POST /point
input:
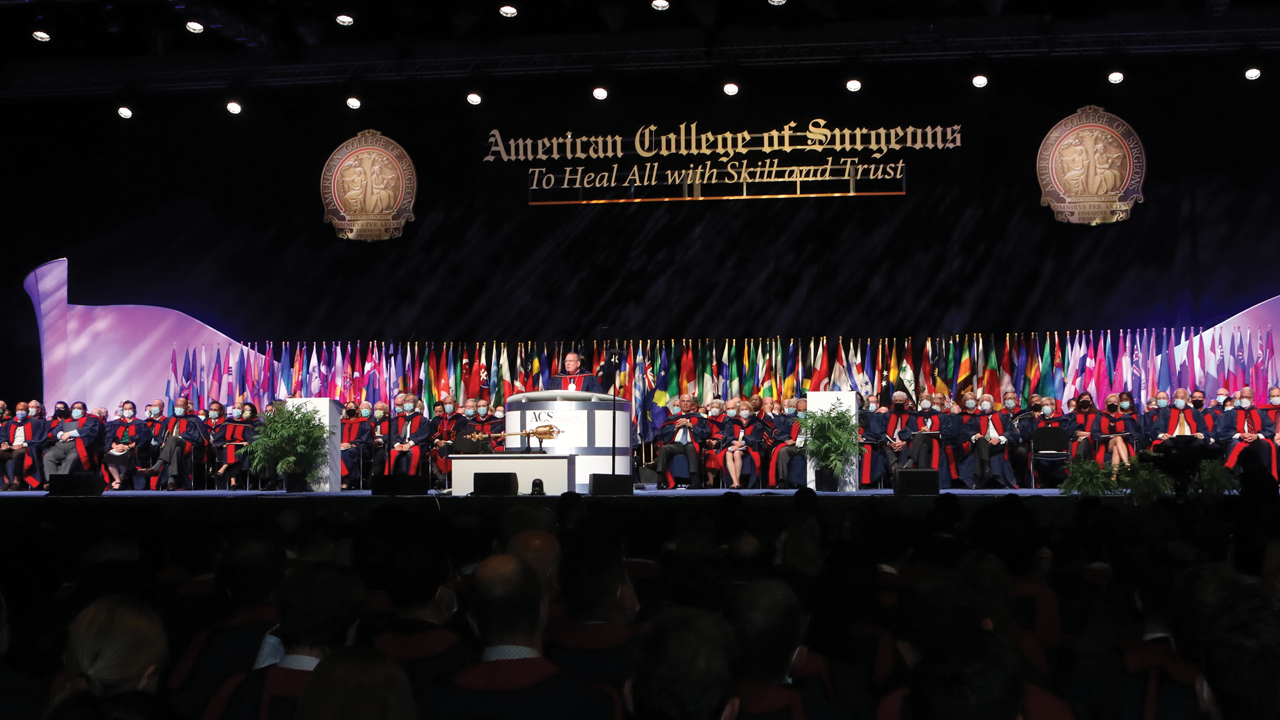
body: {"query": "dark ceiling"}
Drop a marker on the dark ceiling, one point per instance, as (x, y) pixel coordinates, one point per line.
(101, 47)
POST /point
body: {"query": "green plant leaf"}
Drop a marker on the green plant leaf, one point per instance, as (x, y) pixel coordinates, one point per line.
(831, 437)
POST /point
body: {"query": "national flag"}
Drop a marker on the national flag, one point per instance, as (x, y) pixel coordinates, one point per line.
(802, 370)
(991, 377)
(789, 379)
(688, 372)
(1006, 369)
(1032, 385)
(820, 381)
(708, 364)
(1138, 369)
(1124, 363)
(733, 381)
(1166, 363)
(544, 371)
(1020, 368)
(964, 370)
(905, 372)
(768, 383)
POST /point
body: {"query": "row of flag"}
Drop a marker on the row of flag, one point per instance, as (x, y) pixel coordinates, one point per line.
(653, 373)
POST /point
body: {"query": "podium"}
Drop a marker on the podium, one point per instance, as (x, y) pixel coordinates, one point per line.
(329, 476)
(595, 431)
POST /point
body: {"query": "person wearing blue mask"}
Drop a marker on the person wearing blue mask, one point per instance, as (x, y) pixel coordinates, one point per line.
(1176, 420)
(1050, 472)
(183, 434)
(485, 423)
(74, 440)
(410, 431)
(1155, 405)
(1245, 428)
(21, 440)
(788, 437)
(356, 444)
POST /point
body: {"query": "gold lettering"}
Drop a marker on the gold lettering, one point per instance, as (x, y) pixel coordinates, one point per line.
(495, 145)
(817, 135)
(644, 148)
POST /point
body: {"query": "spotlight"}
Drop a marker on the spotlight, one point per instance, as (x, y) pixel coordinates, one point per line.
(41, 35)
(1252, 74)
(234, 108)
(353, 103)
(777, 2)
(124, 112)
(508, 11)
(473, 98)
(345, 20)
(599, 93)
(730, 89)
(1116, 78)
(979, 81)
(194, 27)
(853, 85)
(660, 4)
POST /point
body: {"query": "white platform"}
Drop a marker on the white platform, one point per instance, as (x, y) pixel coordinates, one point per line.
(329, 477)
(554, 470)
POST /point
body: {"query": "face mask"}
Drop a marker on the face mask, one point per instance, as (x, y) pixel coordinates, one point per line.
(716, 411)
(1197, 403)
(1125, 404)
(378, 414)
(1011, 404)
(499, 414)
(925, 404)
(1112, 407)
(469, 412)
(1244, 403)
(1046, 410)
(179, 411)
(448, 409)
(237, 413)
(1275, 399)
(62, 412)
(364, 412)
(213, 414)
(77, 414)
(1162, 403)
(731, 413)
(986, 406)
(126, 413)
(1084, 405)
(151, 412)
(872, 407)
(970, 404)
(483, 410)
(408, 407)
(791, 411)
(21, 415)
(1222, 399)
(203, 418)
(802, 413)
(1179, 403)
(899, 407)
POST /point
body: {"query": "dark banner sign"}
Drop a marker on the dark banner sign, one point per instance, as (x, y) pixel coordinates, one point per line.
(685, 162)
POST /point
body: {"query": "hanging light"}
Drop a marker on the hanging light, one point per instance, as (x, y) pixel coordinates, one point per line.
(473, 98)
(41, 35)
(124, 112)
(730, 89)
(853, 85)
(194, 27)
(979, 81)
(1115, 78)
(508, 11)
(600, 93)
(1252, 74)
(345, 20)
(353, 103)
(660, 4)
(234, 108)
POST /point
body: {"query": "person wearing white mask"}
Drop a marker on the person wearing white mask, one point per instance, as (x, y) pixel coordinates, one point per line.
(718, 412)
(122, 439)
(75, 438)
(986, 436)
(1245, 428)
(409, 432)
(931, 433)
(356, 444)
(740, 450)
(444, 431)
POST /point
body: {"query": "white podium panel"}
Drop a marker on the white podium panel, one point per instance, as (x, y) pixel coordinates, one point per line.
(594, 428)
(826, 401)
(329, 477)
(555, 471)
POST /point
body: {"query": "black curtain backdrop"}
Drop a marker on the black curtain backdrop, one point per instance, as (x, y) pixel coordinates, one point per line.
(219, 216)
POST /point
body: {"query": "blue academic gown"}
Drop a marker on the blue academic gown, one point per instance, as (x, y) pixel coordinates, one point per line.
(583, 382)
(871, 469)
(978, 423)
(419, 432)
(1106, 424)
(1159, 424)
(752, 434)
(1230, 425)
(942, 454)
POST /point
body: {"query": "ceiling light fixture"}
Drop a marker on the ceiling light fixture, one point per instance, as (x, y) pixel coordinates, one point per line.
(1116, 78)
(853, 85)
(41, 35)
(777, 2)
(473, 98)
(124, 112)
(345, 20)
(730, 89)
(660, 4)
(194, 27)
(600, 93)
(979, 81)
(508, 11)
(353, 103)
(1252, 74)
(234, 108)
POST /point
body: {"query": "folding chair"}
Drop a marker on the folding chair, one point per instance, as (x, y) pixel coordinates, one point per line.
(1048, 444)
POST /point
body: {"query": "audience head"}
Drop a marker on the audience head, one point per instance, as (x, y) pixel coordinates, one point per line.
(319, 605)
(356, 683)
(769, 625)
(248, 411)
(508, 607)
(899, 401)
(541, 551)
(438, 409)
(482, 408)
(1113, 403)
(684, 669)
(1222, 396)
(1245, 399)
(250, 570)
(974, 676)
(21, 411)
(366, 409)
(595, 583)
(1241, 660)
(115, 645)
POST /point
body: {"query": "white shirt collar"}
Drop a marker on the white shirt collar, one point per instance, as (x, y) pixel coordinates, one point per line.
(298, 662)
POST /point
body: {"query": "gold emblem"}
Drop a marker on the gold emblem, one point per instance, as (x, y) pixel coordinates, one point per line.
(368, 187)
(1091, 167)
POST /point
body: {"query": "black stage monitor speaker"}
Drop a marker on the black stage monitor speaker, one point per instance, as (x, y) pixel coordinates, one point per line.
(649, 476)
(496, 484)
(602, 484)
(917, 482)
(76, 484)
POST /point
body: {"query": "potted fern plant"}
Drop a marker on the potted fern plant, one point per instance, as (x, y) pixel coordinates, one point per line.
(831, 442)
(292, 442)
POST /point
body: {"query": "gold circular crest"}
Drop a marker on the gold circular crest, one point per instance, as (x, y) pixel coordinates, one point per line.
(1091, 166)
(368, 187)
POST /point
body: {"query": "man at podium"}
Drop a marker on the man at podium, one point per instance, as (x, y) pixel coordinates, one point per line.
(574, 378)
